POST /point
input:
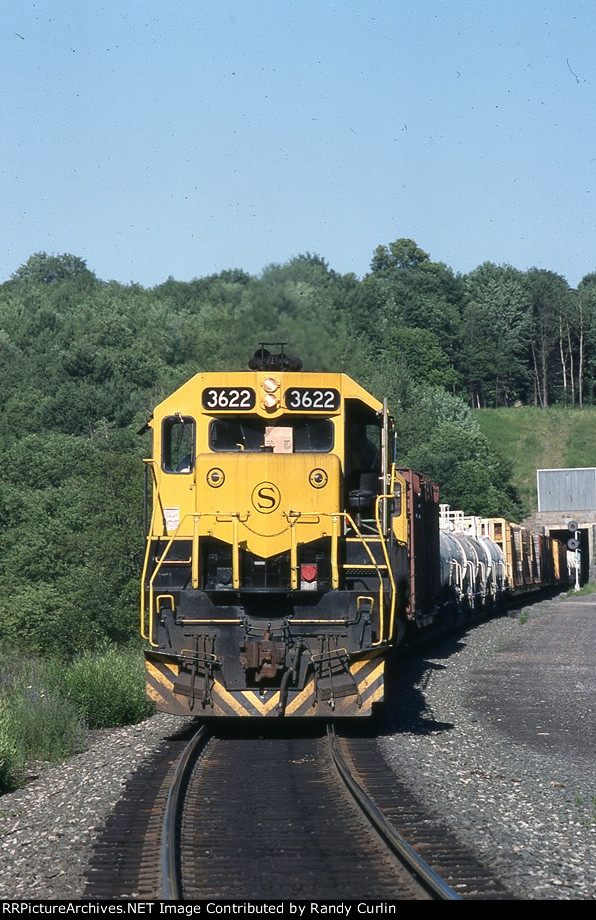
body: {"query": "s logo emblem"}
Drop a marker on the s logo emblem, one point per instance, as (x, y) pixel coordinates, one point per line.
(265, 497)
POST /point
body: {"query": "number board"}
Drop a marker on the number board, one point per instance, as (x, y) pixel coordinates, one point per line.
(231, 398)
(312, 399)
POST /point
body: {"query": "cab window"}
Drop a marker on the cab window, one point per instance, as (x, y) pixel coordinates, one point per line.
(362, 448)
(296, 435)
(178, 444)
(226, 434)
(313, 435)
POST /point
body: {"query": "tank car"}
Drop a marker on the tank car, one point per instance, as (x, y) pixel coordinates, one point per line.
(287, 554)
(488, 561)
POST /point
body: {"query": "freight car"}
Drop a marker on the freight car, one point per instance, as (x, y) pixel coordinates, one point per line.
(287, 554)
(485, 562)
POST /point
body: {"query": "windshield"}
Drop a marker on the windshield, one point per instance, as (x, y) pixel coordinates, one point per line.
(288, 435)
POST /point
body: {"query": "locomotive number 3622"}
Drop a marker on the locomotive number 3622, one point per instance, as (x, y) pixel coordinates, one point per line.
(229, 398)
(302, 398)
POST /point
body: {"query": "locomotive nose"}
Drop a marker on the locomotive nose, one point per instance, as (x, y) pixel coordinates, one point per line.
(267, 502)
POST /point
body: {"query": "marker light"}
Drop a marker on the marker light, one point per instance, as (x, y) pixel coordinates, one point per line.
(308, 577)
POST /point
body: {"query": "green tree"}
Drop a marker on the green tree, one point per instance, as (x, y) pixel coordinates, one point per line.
(70, 543)
(46, 269)
(496, 325)
(406, 289)
(470, 476)
(438, 435)
(400, 255)
(586, 333)
(549, 298)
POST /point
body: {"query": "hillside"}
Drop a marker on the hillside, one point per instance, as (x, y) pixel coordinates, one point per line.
(534, 439)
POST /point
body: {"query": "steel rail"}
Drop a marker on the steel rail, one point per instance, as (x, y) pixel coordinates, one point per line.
(170, 869)
(400, 847)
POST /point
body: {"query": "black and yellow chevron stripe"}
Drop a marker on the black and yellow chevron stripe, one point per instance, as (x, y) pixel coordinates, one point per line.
(161, 674)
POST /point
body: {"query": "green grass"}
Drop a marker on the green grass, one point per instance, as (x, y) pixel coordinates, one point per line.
(36, 721)
(107, 688)
(589, 588)
(534, 439)
(48, 705)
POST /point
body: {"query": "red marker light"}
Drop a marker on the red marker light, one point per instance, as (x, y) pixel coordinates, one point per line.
(308, 573)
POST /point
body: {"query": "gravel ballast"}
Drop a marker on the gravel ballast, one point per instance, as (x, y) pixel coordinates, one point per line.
(496, 731)
(48, 828)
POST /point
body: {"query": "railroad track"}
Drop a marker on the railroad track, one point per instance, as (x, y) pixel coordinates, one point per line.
(454, 865)
(249, 816)
(431, 882)
(267, 818)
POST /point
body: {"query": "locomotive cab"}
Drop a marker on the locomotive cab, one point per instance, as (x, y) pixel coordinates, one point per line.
(362, 459)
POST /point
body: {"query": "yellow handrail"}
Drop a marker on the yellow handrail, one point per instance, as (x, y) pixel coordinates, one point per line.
(195, 552)
(386, 623)
(146, 634)
(382, 498)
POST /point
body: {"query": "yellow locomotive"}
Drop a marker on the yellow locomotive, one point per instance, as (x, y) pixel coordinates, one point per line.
(287, 555)
(276, 570)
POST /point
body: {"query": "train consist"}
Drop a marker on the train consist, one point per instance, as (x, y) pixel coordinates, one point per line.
(288, 555)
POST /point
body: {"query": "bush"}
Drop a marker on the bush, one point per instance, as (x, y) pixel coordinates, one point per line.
(43, 724)
(11, 764)
(107, 688)
(36, 721)
(46, 706)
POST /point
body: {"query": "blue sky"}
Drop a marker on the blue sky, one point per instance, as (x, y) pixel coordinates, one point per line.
(158, 138)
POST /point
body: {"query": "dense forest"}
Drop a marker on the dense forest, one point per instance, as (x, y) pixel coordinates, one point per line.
(83, 361)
